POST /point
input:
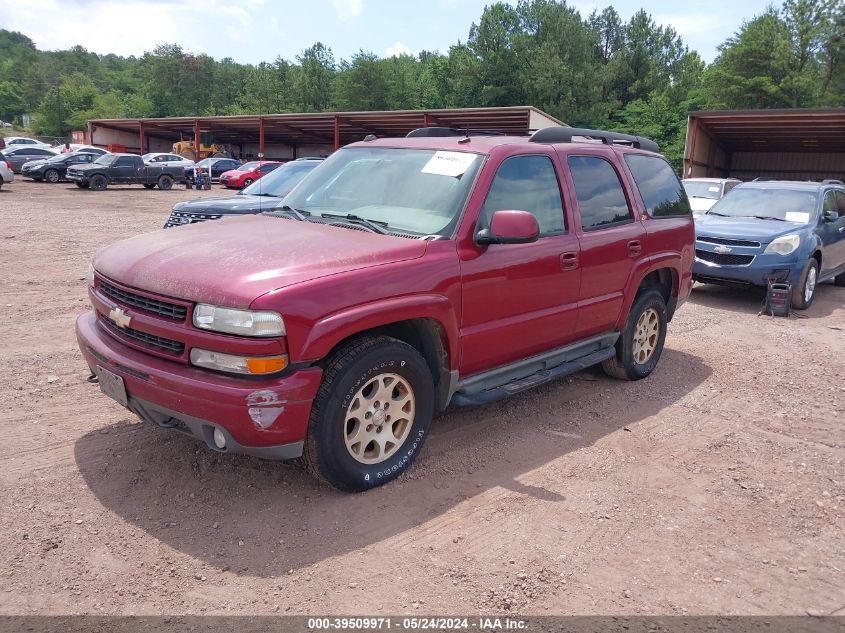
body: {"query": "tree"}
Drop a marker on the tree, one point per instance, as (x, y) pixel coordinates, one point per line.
(314, 85)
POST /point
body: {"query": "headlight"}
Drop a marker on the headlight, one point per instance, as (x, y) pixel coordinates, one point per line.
(243, 322)
(90, 275)
(784, 245)
(247, 365)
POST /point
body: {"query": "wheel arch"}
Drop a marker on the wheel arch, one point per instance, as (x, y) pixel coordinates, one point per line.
(662, 272)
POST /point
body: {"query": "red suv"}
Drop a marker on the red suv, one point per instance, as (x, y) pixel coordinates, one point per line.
(400, 276)
(247, 173)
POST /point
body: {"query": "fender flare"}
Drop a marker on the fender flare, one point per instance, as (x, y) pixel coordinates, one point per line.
(667, 259)
(330, 330)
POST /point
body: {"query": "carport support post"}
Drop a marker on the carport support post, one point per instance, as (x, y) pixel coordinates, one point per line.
(261, 138)
(141, 133)
(336, 132)
(197, 141)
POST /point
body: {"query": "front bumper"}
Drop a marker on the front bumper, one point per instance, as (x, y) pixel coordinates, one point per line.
(758, 272)
(75, 177)
(197, 401)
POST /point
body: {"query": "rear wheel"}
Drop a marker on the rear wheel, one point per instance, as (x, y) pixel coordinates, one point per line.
(641, 343)
(51, 175)
(98, 183)
(805, 290)
(371, 415)
(165, 182)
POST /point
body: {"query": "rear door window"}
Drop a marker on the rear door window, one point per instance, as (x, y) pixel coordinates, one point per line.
(601, 197)
(659, 187)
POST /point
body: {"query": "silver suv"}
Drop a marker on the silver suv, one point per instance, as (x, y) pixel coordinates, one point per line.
(6, 173)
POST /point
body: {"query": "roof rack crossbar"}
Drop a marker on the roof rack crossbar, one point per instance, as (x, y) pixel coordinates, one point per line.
(429, 132)
(832, 181)
(559, 134)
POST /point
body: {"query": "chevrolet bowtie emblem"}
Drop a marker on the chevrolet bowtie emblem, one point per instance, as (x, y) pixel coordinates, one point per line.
(722, 249)
(120, 318)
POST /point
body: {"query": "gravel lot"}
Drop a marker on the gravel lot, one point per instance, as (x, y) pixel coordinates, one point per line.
(715, 486)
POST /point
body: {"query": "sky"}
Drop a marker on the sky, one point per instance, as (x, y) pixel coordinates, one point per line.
(252, 31)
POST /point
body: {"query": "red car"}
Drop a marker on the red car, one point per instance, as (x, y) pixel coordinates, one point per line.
(247, 173)
(399, 277)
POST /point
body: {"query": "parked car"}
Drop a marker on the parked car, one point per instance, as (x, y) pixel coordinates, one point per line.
(162, 159)
(401, 276)
(123, 169)
(703, 193)
(7, 175)
(218, 166)
(262, 195)
(55, 168)
(781, 231)
(24, 141)
(247, 174)
(18, 155)
(88, 149)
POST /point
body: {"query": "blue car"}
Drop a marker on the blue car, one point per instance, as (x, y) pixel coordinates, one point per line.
(774, 231)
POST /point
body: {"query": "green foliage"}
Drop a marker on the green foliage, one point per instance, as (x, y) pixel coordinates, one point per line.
(595, 71)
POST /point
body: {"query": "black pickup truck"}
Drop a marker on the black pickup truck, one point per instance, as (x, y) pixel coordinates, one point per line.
(123, 169)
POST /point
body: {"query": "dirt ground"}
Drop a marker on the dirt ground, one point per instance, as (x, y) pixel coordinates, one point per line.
(713, 487)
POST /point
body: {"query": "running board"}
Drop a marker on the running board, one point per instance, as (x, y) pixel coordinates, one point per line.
(465, 396)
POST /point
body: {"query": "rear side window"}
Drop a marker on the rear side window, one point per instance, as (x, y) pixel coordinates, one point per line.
(601, 197)
(527, 183)
(660, 188)
(124, 161)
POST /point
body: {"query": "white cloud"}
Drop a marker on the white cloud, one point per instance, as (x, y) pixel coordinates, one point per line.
(397, 49)
(348, 9)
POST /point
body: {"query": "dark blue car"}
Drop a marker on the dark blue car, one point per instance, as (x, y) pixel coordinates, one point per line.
(780, 231)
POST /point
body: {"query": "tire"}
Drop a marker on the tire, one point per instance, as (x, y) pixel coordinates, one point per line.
(1, 182)
(641, 343)
(81, 185)
(351, 383)
(148, 186)
(839, 280)
(805, 290)
(51, 176)
(247, 182)
(165, 182)
(98, 182)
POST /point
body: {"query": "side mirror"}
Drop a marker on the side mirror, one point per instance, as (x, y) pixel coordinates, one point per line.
(510, 227)
(831, 216)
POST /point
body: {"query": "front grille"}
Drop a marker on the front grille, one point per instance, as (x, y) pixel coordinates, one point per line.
(724, 259)
(146, 339)
(728, 242)
(179, 218)
(145, 304)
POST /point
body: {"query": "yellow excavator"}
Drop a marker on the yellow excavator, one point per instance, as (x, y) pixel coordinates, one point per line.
(186, 149)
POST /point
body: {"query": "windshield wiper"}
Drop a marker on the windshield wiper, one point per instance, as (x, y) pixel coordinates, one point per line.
(289, 211)
(766, 217)
(270, 195)
(374, 225)
(721, 215)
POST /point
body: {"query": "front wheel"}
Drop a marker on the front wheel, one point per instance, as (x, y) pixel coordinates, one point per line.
(641, 343)
(371, 415)
(248, 182)
(805, 290)
(51, 176)
(165, 182)
(98, 183)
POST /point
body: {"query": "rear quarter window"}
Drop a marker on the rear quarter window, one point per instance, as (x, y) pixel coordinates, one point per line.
(658, 185)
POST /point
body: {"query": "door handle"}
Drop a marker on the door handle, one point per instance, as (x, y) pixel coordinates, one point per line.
(634, 248)
(569, 261)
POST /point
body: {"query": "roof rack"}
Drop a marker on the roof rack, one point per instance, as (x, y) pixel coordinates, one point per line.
(832, 181)
(422, 132)
(559, 134)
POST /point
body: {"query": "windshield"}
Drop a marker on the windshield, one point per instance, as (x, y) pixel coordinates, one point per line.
(280, 181)
(147, 157)
(792, 205)
(59, 158)
(416, 190)
(248, 166)
(205, 162)
(709, 190)
(106, 159)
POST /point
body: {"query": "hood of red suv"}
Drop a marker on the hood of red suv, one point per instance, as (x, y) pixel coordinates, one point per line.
(234, 261)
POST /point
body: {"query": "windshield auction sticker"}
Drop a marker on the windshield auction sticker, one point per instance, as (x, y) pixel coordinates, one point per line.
(797, 216)
(448, 164)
